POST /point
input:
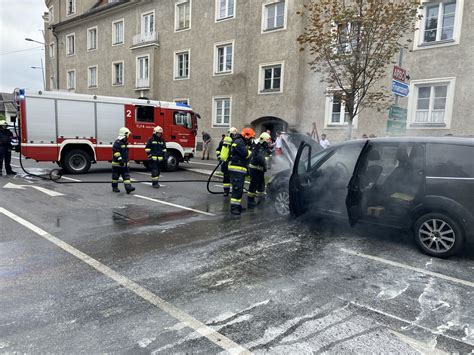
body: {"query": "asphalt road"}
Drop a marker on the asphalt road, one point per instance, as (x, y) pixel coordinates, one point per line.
(170, 271)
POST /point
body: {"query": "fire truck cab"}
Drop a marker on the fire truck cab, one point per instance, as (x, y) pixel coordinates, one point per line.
(77, 130)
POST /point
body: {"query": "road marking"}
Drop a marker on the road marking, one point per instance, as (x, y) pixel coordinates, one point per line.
(406, 321)
(143, 183)
(16, 166)
(199, 327)
(15, 158)
(173, 205)
(412, 268)
(70, 179)
(42, 189)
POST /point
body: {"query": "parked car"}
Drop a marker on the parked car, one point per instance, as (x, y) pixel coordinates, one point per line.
(277, 187)
(425, 184)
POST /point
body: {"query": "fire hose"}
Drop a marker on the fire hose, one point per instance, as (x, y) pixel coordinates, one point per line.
(55, 175)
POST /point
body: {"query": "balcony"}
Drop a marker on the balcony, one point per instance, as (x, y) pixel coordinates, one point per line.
(142, 83)
(145, 39)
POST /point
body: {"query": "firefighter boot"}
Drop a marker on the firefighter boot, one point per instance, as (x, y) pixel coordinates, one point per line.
(115, 189)
(129, 189)
(251, 203)
(156, 184)
(236, 210)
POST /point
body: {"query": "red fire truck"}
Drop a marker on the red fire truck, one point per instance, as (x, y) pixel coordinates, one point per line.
(77, 130)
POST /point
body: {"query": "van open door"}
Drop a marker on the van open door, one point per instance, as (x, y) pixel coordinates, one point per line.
(354, 193)
(300, 179)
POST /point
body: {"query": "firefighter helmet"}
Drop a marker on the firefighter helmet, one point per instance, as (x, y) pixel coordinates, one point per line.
(124, 132)
(248, 133)
(232, 130)
(157, 129)
(265, 137)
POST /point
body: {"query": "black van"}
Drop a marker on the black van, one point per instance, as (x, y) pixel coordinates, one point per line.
(426, 184)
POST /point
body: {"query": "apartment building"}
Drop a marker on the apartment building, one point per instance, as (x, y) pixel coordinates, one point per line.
(237, 63)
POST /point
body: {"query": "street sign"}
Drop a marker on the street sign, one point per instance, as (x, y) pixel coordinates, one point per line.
(397, 120)
(399, 74)
(400, 89)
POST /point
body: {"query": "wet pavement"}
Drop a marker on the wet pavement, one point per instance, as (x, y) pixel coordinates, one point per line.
(131, 274)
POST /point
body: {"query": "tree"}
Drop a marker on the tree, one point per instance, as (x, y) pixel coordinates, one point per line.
(352, 42)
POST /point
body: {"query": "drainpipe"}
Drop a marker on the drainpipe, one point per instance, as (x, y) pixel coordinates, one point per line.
(57, 56)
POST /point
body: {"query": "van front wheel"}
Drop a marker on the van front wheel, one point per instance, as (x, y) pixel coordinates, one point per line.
(438, 235)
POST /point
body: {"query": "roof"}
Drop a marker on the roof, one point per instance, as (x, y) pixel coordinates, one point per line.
(444, 140)
(105, 99)
(7, 102)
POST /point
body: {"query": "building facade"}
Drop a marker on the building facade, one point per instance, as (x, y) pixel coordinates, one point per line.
(238, 63)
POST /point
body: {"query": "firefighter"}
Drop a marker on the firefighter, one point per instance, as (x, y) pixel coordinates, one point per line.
(239, 160)
(120, 162)
(257, 169)
(156, 150)
(223, 155)
(6, 137)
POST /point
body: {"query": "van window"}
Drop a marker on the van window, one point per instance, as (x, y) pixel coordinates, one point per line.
(183, 119)
(145, 114)
(449, 160)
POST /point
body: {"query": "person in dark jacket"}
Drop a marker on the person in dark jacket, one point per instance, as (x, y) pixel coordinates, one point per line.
(6, 137)
(257, 169)
(120, 162)
(223, 155)
(156, 150)
(238, 164)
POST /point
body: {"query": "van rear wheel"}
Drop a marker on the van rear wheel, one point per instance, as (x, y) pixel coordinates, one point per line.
(76, 162)
(438, 235)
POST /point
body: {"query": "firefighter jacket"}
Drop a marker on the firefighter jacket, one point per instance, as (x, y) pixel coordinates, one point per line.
(223, 150)
(155, 148)
(240, 155)
(6, 137)
(120, 153)
(259, 157)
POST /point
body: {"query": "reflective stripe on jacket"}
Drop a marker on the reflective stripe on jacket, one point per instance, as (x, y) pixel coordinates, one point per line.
(155, 148)
(120, 152)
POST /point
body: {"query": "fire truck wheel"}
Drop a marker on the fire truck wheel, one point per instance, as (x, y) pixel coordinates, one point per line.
(172, 162)
(76, 162)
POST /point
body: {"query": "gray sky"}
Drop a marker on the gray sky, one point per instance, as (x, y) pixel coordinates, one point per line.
(20, 19)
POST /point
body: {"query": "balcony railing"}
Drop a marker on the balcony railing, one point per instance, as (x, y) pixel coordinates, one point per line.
(143, 38)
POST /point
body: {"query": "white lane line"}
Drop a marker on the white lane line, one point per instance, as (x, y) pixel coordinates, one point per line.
(15, 158)
(70, 179)
(199, 327)
(16, 166)
(144, 183)
(173, 205)
(413, 324)
(408, 267)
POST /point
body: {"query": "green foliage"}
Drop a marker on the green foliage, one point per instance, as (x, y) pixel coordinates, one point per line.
(351, 43)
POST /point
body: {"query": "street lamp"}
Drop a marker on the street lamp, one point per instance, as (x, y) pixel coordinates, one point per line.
(42, 67)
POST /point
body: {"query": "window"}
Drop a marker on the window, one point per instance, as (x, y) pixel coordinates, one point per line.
(71, 44)
(274, 16)
(431, 103)
(148, 24)
(336, 110)
(271, 78)
(182, 65)
(440, 23)
(71, 79)
(117, 32)
(117, 73)
(71, 7)
(143, 71)
(225, 9)
(145, 114)
(449, 160)
(51, 14)
(92, 39)
(224, 57)
(221, 112)
(92, 77)
(182, 118)
(183, 15)
(51, 50)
